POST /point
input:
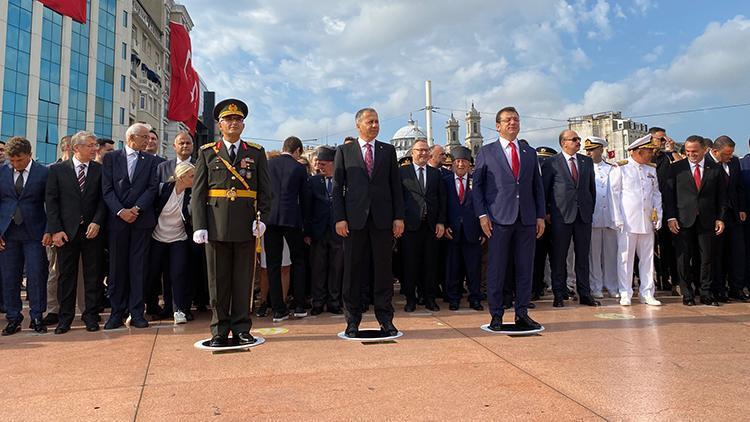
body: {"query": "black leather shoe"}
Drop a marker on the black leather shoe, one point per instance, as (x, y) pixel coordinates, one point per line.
(218, 341)
(558, 302)
(113, 322)
(531, 305)
(352, 329)
(526, 323)
(262, 310)
(708, 301)
(535, 296)
(51, 319)
(410, 306)
(189, 316)
(62, 329)
(453, 306)
(139, 323)
(336, 310)
(497, 323)
(741, 297)
(316, 310)
(280, 316)
(37, 325)
(688, 301)
(589, 301)
(12, 327)
(477, 306)
(722, 297)
(432, 305)
(92, 326)
(388, 329)
(244, 338)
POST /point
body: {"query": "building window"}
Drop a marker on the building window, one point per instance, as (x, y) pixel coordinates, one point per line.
(124, 51)
(16, 79)
(122, 83)
(49, 88)
(125, 18)
(143, 101)
(105, 69)
(122, 116)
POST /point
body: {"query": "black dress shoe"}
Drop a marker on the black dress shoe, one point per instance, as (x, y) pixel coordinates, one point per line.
(453, 306)
(497, 323)
(336, 310)
(688, 301)
(218, 341)
(432, 305)
(51, 319)
(92, 326)
(37, 324)
(201, 308)
(316, 310)
(477, 306)
(62, 329)
(410, 306)
(722, 297)
(262, 310)
(558, 302)
(742, 297)
(12, 327)
(709, 300)
(388, 329)
(352, 329)
(113, 323)
(589, 301)
(154, 310)
(139, 323)
(531, 305)
(244, 338)
(189, 316)
(535, 296)
(526, 323)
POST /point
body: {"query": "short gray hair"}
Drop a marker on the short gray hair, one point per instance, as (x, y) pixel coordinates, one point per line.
(135, 127)
(80, 138)
(183, 133)
(360, 113)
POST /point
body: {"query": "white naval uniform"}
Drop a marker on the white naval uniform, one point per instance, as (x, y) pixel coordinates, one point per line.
(634, 195)
(603, 258)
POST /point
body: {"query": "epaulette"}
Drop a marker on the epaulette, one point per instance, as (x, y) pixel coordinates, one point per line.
(254, 145)
(622, 162)
(209, 145)
(651, 165)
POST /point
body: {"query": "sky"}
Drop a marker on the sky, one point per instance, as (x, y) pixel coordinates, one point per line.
(305, 67)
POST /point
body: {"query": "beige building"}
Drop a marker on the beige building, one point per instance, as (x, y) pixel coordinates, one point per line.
(619, 132)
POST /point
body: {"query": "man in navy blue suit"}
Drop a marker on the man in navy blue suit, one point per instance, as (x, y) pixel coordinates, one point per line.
(129, 187)
(509, 200)
(463, 233)
(23, 235)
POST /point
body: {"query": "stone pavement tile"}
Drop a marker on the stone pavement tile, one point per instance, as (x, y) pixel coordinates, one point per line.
(489, 391)
(49, 404)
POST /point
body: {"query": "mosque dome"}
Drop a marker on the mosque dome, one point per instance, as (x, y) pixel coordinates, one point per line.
(404, 137)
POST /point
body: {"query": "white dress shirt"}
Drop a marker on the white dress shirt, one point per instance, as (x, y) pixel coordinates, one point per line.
(228, 144)
(505, 144)
(416, 171)
(170, 227)
(460, 180)
(567, 162)
(701, 165)
(25, 172)
(363, 149)
(77, 167)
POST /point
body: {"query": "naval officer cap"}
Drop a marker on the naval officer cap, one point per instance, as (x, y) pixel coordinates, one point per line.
(230, 107)
(594, 142)
(462, 153)
(326, 153)
(545, 151)
(644, 142)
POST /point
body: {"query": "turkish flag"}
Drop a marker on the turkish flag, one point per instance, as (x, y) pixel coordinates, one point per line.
(184, 90)
(76, 9)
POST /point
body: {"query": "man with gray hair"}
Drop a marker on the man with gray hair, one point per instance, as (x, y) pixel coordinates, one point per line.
(129, 186)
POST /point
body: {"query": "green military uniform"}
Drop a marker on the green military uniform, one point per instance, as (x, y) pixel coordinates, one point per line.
(226, 195)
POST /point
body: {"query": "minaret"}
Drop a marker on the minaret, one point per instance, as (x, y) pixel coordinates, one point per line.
(451, 135)
(474, 138)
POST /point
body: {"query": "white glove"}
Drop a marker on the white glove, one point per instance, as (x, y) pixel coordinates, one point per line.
(657, 225)
(258, 230)
(200, 236)
(618, 227)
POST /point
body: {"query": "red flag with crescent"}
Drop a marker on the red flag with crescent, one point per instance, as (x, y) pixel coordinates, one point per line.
(184, 88)
(76, 9)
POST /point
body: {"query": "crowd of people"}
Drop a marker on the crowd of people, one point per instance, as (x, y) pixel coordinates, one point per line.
(151, 238)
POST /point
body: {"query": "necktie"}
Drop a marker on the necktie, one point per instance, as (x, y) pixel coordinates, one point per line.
(232, 153)
(329, 185)
(697, 176)
(82, 176)
(573, 170)
(17, 216)
(421, 178)
(132, 159)
(461, 190)
(368, 159)
(514, 163)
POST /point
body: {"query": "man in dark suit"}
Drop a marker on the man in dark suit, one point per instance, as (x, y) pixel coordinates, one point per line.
(570, 190)
(695, 206)
(326, 247)
(129, 187)
(424, 212)
(729, 247)
(285, 222)
(509, 200)
(541, 252)
(75, 214)
(23, 235)
(462, 234)
(369, 213)
(231, 183)
(666, 263)
(152, 147)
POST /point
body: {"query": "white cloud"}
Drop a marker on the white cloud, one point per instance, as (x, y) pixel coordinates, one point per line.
(654, 54)
(333, 25)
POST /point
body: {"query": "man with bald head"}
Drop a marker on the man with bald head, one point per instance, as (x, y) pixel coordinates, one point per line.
(570, 192)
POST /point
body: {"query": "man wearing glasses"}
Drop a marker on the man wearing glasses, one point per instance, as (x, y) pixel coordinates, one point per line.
(570, 191)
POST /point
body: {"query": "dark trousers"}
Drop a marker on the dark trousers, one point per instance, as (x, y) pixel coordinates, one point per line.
(540, 260)
(157, 282)
(694, 258)
(229, 267)
(128, 269)
(327, 264)
(468, 256)
(274, 242)
(516, 237)
(561, 234)
(667, 263)
(419, 249)
(728, 256)
(170, 262)
(91, 253)
(23, 253)
(198, 286)
(360, 246)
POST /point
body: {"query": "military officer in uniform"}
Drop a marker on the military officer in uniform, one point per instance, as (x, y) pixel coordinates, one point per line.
(231, 184)
(603, 258)
(636, 202)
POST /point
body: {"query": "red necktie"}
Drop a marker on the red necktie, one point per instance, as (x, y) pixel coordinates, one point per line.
(368, 158)
(697, 176)
(514, 164)
(461, 191)
(573, 170)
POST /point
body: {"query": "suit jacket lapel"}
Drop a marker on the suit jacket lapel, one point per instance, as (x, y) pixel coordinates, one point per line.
(499, 155)
(378, 150)
(139, 163)
(74, 172)
(122, 161)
